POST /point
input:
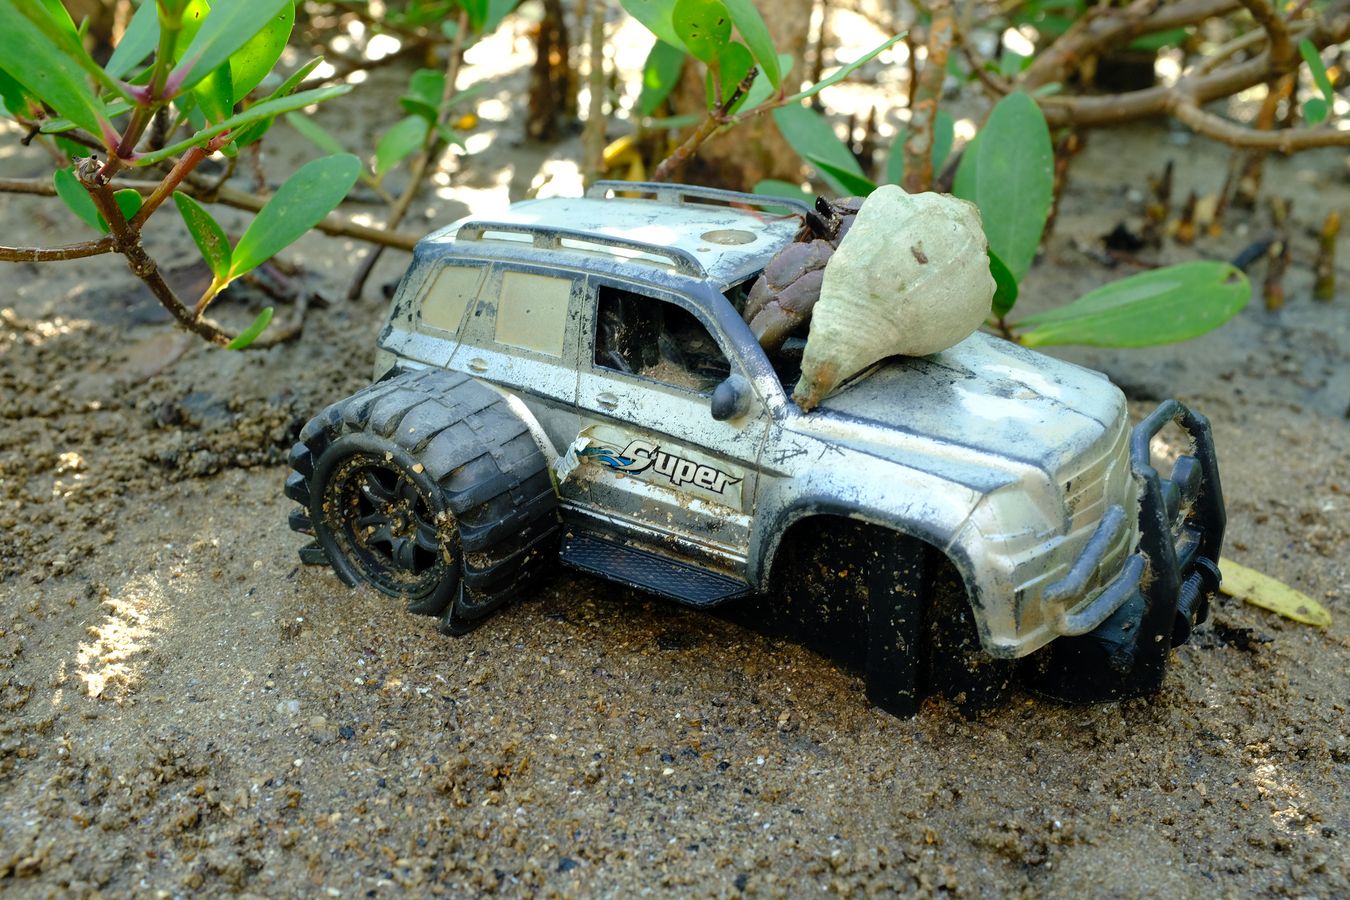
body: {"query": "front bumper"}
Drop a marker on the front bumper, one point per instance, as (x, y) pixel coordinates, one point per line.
(1164, 587)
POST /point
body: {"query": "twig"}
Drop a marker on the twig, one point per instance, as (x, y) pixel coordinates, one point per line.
(716, 119)
(923, 113)
(593, 136)
(432, 148)
(332, 224)
(1092, 34)
(1285, 140)
(56, 254)
(1281, 48)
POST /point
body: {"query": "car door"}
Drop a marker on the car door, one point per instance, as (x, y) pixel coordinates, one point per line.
(521, 336)
(657, 467)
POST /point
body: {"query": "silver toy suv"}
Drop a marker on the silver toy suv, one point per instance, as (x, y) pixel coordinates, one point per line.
(575, 381)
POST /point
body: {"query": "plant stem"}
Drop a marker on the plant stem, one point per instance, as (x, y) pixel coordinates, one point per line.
(716, 119)
(55, 254)
(923, 112)
(432, 148)
(593, 137)
(331, 225)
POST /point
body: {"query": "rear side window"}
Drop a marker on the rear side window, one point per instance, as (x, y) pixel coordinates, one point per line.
(449, 295)
(532, 312)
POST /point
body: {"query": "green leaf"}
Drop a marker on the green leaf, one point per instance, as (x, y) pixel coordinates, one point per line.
(1014, 180)
(772, 187)
(1005, 286)
(813, 137)
(206, 233)
(423, 97)
(399, 141)
(315, 133)
(944, 134)
(229, 26)
(129, 201)
(755, 33)
(77, 199)
(477, 11)
(735, 63)
(1151, 43)
(254, 131)
(52, 21)
(251, 333)
(1011, 64)
(47, 72)
(1175, 303)
(498, 10)
(137, 43)
(257, 112)
(840, 74)
(215, 94)
(1316, 109)
(704, 26)
(306, 197)
(963, 185)
(657, 16)
(14, 97)
(854, 185)
(660, 74)
(250, 64)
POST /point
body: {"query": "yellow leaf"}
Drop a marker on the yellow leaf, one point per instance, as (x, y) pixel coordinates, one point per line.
(1267, 593)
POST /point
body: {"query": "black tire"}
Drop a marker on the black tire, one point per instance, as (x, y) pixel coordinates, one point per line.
(883, 604)
(427, 487)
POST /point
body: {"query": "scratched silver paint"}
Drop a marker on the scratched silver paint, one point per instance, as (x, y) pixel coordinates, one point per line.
(1003, 458)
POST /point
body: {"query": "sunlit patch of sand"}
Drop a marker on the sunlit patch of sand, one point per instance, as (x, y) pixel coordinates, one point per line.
(109, 664)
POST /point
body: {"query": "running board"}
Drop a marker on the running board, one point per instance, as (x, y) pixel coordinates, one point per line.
(649, 571)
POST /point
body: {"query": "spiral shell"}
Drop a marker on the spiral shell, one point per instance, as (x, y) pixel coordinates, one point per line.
(910, 278)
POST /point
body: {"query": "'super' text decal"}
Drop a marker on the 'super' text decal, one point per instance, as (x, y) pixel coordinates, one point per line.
(641, 456)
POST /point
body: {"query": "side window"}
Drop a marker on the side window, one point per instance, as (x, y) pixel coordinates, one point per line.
(444, 303)
(655, 339)
(532, 312)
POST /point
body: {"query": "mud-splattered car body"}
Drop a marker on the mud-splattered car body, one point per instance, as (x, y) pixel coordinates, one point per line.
(609, 327)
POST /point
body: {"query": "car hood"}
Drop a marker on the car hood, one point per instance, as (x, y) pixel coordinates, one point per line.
(983, 401)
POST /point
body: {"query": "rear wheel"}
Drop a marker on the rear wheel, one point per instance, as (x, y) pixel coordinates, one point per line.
(429, 488)
(381, 520)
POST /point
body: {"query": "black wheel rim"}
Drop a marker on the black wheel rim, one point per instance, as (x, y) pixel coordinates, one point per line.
(387, 527)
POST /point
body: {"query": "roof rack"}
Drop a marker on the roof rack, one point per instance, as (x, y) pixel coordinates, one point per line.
(685, 193)
(549, 238)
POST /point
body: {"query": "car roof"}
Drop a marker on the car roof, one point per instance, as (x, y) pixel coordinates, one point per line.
(692, 230)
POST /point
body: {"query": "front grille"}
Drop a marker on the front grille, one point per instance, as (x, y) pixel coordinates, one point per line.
(1096, 480)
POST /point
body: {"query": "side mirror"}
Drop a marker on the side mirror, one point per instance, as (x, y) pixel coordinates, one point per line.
(731, 399)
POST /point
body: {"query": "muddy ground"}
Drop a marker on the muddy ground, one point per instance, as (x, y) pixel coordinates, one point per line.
(186, 707)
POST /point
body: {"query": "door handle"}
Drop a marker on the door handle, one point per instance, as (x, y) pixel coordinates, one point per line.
(478, 364)
(607, 401)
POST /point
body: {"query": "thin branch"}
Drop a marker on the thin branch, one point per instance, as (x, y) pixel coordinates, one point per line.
(433, 147)
(127, 241)
(56, 254)
(1093, 33)
(923, 111)
(715, 120)
(332, 224)
(1281, 48)
(1284, 140)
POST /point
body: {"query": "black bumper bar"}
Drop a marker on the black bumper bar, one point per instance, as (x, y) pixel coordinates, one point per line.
(1168, 581)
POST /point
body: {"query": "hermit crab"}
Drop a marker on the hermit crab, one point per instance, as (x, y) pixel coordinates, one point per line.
(895, 275)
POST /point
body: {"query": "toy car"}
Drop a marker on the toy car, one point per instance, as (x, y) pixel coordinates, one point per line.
(575, 381)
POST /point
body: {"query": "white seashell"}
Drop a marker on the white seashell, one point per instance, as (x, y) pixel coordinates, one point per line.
(909, 279)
